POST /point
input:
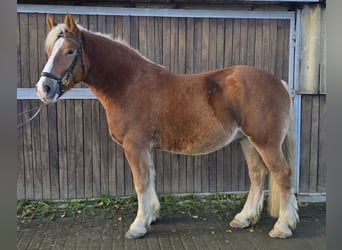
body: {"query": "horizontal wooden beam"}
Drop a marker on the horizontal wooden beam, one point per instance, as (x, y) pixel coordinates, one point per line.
(73, 94)
(153, 12)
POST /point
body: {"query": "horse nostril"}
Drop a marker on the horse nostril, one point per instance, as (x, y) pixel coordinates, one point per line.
(47, 89)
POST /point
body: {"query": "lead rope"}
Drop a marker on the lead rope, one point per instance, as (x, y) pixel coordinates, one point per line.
(32, 117)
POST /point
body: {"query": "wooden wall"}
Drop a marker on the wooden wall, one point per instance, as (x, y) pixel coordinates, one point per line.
(67, 153)
(313, 157)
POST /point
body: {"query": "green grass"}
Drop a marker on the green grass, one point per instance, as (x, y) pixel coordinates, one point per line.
(222, 205)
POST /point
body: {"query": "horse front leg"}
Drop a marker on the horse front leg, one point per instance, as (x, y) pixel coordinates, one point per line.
(142, 167)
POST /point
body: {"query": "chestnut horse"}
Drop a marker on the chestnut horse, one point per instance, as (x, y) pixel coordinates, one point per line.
(148, 107)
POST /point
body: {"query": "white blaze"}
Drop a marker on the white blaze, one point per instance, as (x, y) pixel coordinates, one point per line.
(48, 67)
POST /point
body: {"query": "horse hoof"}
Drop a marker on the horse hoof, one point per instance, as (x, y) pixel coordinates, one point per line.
(276, 233)
(238, 224)
(131, 234)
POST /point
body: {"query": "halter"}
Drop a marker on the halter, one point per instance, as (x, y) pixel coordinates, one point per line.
(71, 68)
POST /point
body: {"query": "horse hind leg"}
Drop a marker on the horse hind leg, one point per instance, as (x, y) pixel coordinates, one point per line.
(257, 171)
(282, 187)
(148, 204)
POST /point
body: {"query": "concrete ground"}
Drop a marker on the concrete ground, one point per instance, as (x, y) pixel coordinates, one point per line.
(172, 231)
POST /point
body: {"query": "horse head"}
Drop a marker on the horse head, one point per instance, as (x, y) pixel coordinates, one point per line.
(65, 65)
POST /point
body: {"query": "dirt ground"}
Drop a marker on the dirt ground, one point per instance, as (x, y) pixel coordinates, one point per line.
(209, 230)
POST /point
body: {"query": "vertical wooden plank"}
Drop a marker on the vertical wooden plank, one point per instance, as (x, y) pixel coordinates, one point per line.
(205, 177)
(150, 39)
(250, 42)
(101, 24)
(280, 49)
(104, 166)
(167, 42)
(174, 47)
(20, 160)
(189, 58)
(213, 172)
(273, 45)
(54, 152)
(322, 145)
(167, 178)
(35, 130)
(92, 23)
(43, 116)
(174, 174)
(236, 41)
(305, 142)
(205, 45)
(286, 51)
(228, 43)
(159, 165)
(134, 42)
(258, 44)
(190, 176)
(26, 133)
(120, 171)
(112, 167)
(181, 46)
(266, 44)
(158, 40)
(19, 41)
(142, 36)
(314, 144)
(219, 171)
(126, 29)
(182, 174)
(88, 152)
(220, 43)
(129, 184)
(197, 174)
(235, 166)
(118, 23)
(227, 168)
(79, 150)
(62, 149)
(70, 149)
(212, 44)
(96, 148)
(20, 149)
(243, 41)
(197, 45)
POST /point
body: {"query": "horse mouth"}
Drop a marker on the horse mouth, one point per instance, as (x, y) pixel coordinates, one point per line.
(48, 91)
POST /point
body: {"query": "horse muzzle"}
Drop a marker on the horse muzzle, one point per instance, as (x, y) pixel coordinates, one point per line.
(48, 90)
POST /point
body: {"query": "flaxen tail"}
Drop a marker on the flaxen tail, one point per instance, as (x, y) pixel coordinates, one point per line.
(289, 149)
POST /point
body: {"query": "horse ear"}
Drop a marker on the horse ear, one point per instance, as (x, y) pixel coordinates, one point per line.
(50, 22)
(70, 25)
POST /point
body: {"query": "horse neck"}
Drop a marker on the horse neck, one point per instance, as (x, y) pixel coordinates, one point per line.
(111, 68)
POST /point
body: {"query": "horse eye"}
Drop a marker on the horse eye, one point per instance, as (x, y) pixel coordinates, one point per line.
(70, 52)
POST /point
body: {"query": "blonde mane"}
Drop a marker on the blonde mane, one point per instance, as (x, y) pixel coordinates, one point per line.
(60, 28)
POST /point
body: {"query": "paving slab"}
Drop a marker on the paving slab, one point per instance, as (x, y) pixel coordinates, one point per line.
(172, 231)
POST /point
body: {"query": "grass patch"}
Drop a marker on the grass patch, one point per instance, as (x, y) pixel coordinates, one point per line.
(222, 205)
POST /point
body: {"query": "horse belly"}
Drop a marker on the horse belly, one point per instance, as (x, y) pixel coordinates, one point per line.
(205, 142)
